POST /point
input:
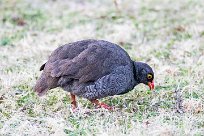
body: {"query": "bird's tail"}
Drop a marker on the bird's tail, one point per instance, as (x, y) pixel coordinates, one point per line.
(41, 86)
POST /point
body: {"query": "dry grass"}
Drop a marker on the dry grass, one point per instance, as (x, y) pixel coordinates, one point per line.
(169, 35)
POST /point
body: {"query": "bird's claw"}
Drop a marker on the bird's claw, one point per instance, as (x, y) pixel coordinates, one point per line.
(105, 106)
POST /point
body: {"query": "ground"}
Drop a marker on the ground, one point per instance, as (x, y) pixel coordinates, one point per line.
(168, 35)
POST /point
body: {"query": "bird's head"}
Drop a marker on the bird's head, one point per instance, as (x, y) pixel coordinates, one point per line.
(144, 74)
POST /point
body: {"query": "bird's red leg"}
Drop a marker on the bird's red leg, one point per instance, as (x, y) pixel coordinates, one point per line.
(101, 104)
(73, 101)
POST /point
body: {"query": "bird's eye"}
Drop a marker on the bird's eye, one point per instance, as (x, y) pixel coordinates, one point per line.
(149, 76)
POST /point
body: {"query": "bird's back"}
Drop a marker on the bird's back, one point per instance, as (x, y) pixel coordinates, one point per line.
(71, 50)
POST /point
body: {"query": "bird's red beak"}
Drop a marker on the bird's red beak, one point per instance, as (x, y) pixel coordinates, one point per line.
(151, 85)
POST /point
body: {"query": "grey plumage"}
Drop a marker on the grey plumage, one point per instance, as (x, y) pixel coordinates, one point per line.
(91, 69)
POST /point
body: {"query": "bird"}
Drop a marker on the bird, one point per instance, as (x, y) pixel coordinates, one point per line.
(92, 69)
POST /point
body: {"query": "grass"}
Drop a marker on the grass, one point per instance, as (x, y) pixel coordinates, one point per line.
(168, 35)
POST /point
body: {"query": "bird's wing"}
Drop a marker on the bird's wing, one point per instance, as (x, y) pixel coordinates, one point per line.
(89, 65)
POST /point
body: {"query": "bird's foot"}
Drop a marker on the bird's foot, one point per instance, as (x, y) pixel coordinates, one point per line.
(102, 105)
(74, 106)
(73, 102)
(105, 106)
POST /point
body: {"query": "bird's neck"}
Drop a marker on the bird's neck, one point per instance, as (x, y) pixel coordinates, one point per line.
(136, 67)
